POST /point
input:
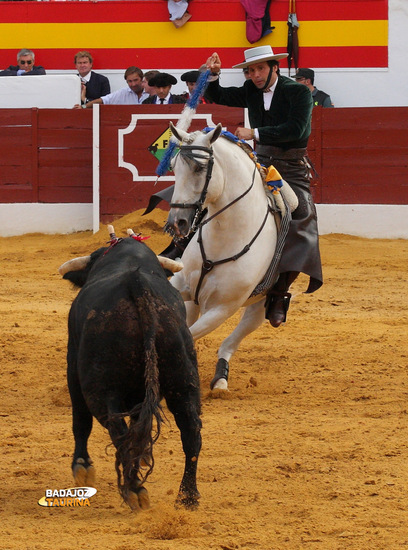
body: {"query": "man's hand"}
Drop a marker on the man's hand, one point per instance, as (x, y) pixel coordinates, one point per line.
(83, 92)
(244, 133)
(214, 63)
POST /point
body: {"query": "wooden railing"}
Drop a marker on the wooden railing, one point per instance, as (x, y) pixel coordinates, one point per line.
(359, 154)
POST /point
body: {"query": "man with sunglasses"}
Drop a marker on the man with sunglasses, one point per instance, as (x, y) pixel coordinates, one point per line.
(25, 65)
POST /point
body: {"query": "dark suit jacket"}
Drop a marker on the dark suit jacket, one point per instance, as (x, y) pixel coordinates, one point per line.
(97, 86)
(286, 124)
(174, 98)
(12, 71)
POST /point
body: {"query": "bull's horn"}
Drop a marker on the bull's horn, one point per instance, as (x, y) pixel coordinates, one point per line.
(171, 265)
(166, 263)
(111, 232)
(76, 264)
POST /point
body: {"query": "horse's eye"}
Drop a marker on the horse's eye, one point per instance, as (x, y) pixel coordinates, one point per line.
(198, 168)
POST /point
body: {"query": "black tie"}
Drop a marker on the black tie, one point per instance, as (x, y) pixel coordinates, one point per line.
(161, 101)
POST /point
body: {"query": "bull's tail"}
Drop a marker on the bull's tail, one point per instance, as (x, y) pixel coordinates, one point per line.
(134, 448)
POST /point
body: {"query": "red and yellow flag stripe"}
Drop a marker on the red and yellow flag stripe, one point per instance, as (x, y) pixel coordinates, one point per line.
(332, 33)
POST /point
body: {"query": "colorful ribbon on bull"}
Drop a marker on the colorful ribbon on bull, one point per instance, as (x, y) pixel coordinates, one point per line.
(114, 240)
(184, 122)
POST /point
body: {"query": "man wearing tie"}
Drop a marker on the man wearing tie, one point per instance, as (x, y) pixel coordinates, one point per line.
(163, 82)
(93, 85)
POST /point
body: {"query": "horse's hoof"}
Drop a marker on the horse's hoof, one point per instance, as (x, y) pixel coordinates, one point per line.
(220, 380)
(84, 475)
(138, 500)
(220, 384)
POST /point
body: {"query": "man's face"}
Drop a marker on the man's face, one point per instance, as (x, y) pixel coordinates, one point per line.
(135, 83)
(191, 86)
(151, 90)
(26, 63)
(259, 73)
(83, 66)
(302, 80)
(163, 91)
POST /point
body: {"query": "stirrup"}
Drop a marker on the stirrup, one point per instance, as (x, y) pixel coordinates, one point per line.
(274, 299)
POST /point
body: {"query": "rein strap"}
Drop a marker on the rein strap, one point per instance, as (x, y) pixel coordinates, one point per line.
(208, 265)
(187, 151)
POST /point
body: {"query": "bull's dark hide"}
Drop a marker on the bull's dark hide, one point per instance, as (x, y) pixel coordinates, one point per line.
(128, 347)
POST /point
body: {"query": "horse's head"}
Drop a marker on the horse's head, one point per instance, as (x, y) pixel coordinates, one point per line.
(192, 167)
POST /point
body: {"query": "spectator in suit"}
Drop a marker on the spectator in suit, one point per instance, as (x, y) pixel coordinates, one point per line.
(93, 85)
(191, 78)
(132, 94)
(163, 83)
(25, 65)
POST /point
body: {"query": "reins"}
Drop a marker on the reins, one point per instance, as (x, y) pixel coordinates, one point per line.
(208, 265)
(187, 151)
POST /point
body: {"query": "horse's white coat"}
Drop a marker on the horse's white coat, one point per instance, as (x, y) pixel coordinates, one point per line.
(228, 286)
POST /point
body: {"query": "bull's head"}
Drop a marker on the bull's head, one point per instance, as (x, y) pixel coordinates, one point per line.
(83, 264)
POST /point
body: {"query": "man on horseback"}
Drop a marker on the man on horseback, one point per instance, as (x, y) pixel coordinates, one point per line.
(280, 113)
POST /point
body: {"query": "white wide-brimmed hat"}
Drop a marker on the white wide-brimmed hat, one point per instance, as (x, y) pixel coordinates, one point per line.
(259, 54)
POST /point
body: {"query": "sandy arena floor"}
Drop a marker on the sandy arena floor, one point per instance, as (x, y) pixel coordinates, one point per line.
(308, 449)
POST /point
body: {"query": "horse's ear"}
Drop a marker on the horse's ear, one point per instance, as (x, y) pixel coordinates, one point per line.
(215, 134)
(178, 132)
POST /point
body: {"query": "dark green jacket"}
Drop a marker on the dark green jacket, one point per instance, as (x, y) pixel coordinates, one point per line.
(287, 124)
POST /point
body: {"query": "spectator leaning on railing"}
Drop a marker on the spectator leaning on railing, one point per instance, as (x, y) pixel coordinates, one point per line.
(132, 94)
(25, 65)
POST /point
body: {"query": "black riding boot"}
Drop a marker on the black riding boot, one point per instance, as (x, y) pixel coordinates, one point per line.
(278, 299)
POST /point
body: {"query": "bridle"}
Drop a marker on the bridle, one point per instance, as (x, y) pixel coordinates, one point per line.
(187, 152)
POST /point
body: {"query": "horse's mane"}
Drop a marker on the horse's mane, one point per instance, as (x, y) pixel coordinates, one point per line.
(266, 175)
(249, 151)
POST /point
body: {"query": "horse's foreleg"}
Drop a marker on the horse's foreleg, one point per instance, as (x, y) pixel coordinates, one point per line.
(179, 282)
(253, 317)
(211, 319)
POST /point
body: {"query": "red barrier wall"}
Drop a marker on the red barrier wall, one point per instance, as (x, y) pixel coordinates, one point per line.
(360, 154)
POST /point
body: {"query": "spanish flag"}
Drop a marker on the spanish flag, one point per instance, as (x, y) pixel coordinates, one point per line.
(332, 33)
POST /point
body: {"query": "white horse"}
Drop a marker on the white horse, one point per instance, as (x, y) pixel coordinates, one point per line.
(234, 245)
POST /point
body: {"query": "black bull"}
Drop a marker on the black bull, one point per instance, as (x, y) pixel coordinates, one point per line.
(128, 347)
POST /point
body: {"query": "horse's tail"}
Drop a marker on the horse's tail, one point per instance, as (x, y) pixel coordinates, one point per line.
(134, 448)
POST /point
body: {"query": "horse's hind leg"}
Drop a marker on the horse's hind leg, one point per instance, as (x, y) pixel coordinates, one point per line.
(82, 468)
(252, 318)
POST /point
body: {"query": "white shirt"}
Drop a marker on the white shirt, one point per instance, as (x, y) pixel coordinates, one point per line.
(85, 78)
(177, 9)
(166, 100)
(267, 99)
(124, 96)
